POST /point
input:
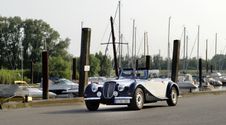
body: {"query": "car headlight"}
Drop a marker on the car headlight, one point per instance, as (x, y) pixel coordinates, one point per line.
(121, 87)
(94, 87)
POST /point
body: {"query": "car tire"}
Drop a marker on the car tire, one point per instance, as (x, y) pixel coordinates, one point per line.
(92, 105)
(173, 97)
(137, 101)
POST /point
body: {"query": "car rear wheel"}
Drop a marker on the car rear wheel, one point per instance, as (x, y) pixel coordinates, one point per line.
(173, 97)
(137, 101)
(92, 105)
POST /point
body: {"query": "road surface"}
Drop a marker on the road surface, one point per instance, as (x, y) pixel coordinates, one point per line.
(193, 110)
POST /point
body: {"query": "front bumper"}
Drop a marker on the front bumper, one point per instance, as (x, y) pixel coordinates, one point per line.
(112, 101)
(70, 91)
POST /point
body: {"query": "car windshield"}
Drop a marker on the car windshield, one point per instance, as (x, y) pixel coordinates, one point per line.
(138, 74)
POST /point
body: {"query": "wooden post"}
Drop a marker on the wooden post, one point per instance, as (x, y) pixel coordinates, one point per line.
(137, 64)
(74, 69)
(84, 60)
(114, 48)
(175, 60)
(200, 73)
(211, 68)
(32, 72)
(148, 63)
(45, 75)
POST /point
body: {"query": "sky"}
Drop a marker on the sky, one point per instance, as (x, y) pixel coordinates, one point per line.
(66, 17)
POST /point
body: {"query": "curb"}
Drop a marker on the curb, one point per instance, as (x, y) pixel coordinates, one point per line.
(43, 103)
(186, 94)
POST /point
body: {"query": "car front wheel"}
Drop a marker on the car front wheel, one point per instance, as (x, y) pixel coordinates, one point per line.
(173, 97)
(92, 105)
(138, 100)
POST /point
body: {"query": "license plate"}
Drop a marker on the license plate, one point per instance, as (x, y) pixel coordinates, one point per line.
(122, 101)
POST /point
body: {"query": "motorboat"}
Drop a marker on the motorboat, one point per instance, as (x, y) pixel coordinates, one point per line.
(214, 82)
(218, 76)
(32, 91)
(64, 86)
(186, 82)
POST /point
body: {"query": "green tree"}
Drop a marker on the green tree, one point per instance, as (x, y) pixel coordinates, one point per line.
(10, 39)
(94, 65)
(157, 61)
(105, 64)
(35, 36)
(218, 62)
(192, 64)
(58, 67)
(39, 36)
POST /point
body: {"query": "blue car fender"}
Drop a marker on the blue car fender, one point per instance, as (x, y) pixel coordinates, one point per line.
(169, 87)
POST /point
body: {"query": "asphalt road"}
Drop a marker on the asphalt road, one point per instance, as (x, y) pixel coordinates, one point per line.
(194, 110)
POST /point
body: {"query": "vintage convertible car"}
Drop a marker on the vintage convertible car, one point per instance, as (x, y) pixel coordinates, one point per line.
(132, 88)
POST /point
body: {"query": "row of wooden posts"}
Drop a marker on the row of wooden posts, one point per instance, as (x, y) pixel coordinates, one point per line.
(84, 63)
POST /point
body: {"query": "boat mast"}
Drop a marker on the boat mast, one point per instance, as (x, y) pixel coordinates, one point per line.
(144, 42)
(159, 65)
(146, 49)
(198, 49)
(184, 60)
(147, 43)
(206, 56)
(216, 50)
(119, 35)
(216, 44)
(133, 44)
(168, 64)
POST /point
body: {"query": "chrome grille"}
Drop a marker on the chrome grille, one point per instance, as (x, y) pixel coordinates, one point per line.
(108, 89)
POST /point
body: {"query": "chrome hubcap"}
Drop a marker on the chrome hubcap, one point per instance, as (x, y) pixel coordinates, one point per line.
(139, 99)
(174, 96)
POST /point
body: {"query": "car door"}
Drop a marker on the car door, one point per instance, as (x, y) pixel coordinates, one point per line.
(157, 87)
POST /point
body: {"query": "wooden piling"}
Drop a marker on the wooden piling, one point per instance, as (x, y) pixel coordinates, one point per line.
(148, 62)
(45, 75)
(200, 73)
(175, 60)
(74, 69)
(137, 64)
(31, 71)
(84, 60)
(211, 68)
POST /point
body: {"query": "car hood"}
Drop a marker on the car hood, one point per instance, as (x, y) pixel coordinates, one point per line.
(125, 82)
(128, 82)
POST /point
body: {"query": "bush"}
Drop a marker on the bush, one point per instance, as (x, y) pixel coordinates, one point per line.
(9, 76)
(58, 67)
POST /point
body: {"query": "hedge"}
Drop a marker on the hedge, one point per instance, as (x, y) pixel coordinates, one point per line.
(9, 76)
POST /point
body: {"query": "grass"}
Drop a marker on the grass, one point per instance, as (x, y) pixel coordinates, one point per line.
(14, 99)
